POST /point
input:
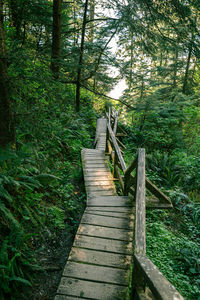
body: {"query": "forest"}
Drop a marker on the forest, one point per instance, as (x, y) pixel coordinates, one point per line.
(56, 71)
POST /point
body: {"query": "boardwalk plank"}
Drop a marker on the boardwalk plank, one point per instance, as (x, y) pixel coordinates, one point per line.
(109, 201)
(106, 221)
(127, 210)
(126, 215)
(91, 290)
(96, 273)
(101, 244)
(95, 172)
(92, 182)
(105, 232)
(94, 257)
(96, 188)
(101, 193)
(89, 176)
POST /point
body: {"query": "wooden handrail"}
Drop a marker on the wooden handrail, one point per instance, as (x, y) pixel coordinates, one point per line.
(132, 166)
(161, 288)
(144, 271)
(117, 149)
(127, 177)
(157, 192)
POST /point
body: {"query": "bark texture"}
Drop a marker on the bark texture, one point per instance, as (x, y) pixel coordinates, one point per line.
(78, 82)
(6, 121)
(56, 37)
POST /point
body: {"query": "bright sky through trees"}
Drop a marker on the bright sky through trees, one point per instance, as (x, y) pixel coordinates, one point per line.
(118, 89)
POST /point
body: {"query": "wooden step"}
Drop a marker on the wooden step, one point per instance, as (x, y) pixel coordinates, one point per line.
(111, 201)
(89, 290)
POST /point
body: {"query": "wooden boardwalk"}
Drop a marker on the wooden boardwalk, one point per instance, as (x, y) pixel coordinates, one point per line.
(99, 263)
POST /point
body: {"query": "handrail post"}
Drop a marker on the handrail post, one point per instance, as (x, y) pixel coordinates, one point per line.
(127, 174)
(138, 282)
(107, 140)
(115, 123)
(115, 161)
(126, 183)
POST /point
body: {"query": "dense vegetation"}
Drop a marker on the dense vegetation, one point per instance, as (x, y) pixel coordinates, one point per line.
(173, 163)
(54, 61)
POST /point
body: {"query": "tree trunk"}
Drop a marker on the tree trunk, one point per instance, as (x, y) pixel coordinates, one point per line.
(91, 32)
(78, 81)
(185, 80)
(131, 66)
(175, 66)
(56, 38)
(7, 134)
(16, 9)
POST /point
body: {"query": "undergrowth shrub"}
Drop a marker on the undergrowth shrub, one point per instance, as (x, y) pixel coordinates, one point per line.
(41, 187)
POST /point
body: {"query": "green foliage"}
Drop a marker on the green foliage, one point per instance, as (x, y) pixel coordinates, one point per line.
(175, 251)
(41, 189)
(166, 124)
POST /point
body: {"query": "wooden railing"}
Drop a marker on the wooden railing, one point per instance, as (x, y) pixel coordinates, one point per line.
(147, 280)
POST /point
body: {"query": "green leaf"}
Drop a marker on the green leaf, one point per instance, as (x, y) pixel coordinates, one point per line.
(5, 194)
(19, 279)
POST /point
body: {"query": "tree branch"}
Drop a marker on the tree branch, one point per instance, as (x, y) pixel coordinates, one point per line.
(111, 98)
(99, 58)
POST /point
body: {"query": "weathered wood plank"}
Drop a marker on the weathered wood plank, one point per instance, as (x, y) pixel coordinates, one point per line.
(96, 273)
(155, 191)
(121, 144)
(110, 201)
(117, 150)
(159, 285)
(119, 176)
(115, 123)
(93, 170)
(99, 182)
(96, 166)
(100, 244)
(95, 162)
(94, 156)
(126, 215)
(105, 232)
(101, 193)
(100, 127)
(140, 221)
(106, 221)
(89, 176)
(121, 261)
(91, 290)
(125, 210)
(66, 297)
(158, 205)
(88, 150)
(102, 188)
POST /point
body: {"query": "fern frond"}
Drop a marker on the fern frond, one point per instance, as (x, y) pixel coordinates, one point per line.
(9, 216)
(4, 194)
